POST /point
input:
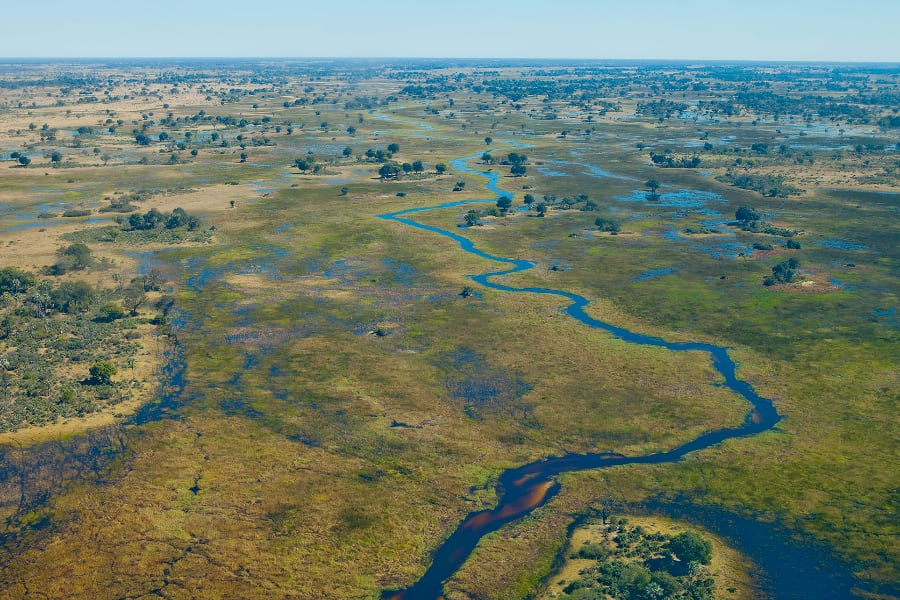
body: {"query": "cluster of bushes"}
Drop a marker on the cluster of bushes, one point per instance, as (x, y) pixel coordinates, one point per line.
(154, 219)
(607, 224)
(75, 257)
(635, 564)
(308, 163)
(122, 204)
(783, 272)
(152, 226)
(772, 186)
(62, 344)
(76, 212)
(661, 109)
(750, 220)
(579, 201)
(515, 161)
(668, 160)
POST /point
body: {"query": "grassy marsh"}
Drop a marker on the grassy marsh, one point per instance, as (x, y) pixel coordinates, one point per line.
(344, 406)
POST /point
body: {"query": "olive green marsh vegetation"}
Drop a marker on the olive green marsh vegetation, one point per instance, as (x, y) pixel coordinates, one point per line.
(340, 406)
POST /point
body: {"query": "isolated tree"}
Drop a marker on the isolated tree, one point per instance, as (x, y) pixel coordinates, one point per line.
(133, 296)
(102, 372)
(177, 218)
(652, 185)
(691, 547)
(471, 218)
(393, 148)
(389, 170)
(440, 168)
(609, 225)
(542, 209)
(745, 214)
(488, 140)
(518, 170)
(75, 257)
(56, 158)
(504, 203)
(417, 166)
(487, 159)
(24, 160)
(153, 280)
(109, 312)
(72, 296)
(347, 152)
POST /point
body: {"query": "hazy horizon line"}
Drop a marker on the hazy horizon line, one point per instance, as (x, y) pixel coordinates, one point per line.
(758, 61)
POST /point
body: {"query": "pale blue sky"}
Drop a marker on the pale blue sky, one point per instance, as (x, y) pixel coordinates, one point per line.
(822, 30)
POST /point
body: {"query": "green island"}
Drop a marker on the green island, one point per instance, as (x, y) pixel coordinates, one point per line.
(226, 374)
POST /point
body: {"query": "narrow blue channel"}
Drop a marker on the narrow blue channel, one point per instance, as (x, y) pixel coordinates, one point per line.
(537, 480)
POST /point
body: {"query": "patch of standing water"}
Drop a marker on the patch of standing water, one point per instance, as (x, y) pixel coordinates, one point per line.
(888, 314)
(653, 273)
(595, 171)
(726, 250)
(681, 198)
(384, 117)
(840, 244)
(551, 173)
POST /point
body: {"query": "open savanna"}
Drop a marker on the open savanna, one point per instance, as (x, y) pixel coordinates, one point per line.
(343, 405)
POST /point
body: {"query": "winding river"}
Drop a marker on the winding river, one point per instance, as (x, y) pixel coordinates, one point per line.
(519, 490)
(523, 489)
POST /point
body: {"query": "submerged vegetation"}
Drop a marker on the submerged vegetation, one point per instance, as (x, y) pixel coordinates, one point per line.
(322, 405)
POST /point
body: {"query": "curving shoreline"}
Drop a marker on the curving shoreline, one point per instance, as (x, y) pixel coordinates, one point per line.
(523, 489)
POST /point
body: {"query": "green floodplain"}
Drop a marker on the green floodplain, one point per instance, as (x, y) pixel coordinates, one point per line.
(225, 375)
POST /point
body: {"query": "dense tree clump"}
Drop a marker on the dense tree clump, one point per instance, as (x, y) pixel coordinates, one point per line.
(772, 186)
(154, 219)
(606, 224)
(671, 161)
(75, 257)
(102, 372)
(783, 272)
(60, 344)
(633, 563)
(744, 214)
